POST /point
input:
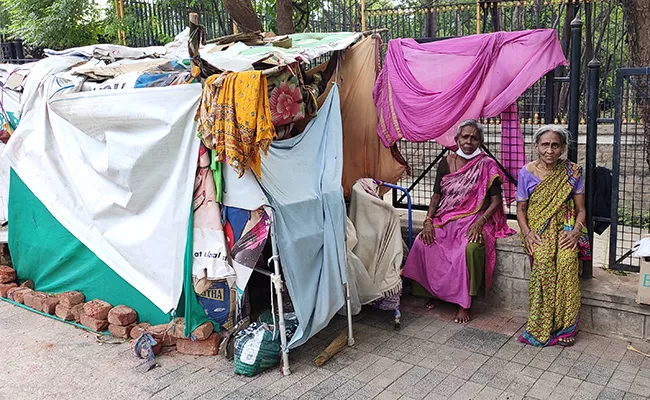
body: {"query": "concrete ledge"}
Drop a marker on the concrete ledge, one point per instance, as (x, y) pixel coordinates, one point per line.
(608, 301)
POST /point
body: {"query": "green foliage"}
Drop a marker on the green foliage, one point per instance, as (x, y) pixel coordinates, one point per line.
(55, 24)
(639, 220)
(304, 12)
(139, 28)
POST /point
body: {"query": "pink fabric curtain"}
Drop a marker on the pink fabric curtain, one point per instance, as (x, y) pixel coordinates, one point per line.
(425, 90)
(513, 152)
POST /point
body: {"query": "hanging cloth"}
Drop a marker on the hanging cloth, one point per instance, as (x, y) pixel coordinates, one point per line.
(235, 119)
(513, 151)
(425, 90)
(364, 156)
(216, 175)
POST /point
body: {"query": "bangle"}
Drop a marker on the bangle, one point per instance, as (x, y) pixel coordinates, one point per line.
(526, 235)
(485, 218)
(581, 224)
(428, 219)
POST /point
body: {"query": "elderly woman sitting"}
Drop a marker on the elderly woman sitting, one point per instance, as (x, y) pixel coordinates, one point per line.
(455, 252)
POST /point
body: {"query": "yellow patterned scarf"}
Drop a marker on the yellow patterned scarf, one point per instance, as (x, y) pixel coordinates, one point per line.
(235, 119)
(552, 197)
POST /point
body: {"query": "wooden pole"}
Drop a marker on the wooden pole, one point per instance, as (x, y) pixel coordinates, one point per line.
(478, 17)
(363, 15)
(119, 13)
(194, 44)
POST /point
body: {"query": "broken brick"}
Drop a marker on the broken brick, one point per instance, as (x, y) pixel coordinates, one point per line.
(7, 274)
(64, 313)
(160, 333)
(203, 331)
(139, 329)
(200, 333)
(97, 325)
(122, 315)
(28, 284)
(5, 287)
(17, 294)
(97, 309)
(49, 305)
(77, 310)
(179, 328)
(120, 331)
(71, 299)
(208, 347)
(35, 300)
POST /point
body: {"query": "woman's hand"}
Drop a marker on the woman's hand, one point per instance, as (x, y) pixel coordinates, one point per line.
(428, 236)
(475, 232)
(569, 239)
(532, 240)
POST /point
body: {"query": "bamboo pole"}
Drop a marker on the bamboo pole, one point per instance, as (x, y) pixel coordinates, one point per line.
(194, 44)
(119, 13)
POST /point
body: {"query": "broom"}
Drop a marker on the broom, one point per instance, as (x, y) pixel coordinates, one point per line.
(338, 344)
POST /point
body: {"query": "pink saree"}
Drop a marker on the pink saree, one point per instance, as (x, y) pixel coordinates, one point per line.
(425, 90)
(441, 268)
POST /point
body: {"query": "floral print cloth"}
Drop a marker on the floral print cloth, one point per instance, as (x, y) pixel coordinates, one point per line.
(285, 98)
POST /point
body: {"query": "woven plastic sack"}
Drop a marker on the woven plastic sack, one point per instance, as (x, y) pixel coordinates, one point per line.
(256, 349)
(290, 322)
(220, 304)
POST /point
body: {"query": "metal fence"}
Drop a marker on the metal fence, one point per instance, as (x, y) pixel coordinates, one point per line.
(604, 37)
(630, 166)
(12, 52)
(604, 31)
(151, 23)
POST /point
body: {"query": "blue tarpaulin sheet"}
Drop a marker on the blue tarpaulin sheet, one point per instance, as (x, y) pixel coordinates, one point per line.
(302, 179)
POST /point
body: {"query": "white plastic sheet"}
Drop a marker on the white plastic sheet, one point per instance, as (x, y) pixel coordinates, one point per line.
(116, 168)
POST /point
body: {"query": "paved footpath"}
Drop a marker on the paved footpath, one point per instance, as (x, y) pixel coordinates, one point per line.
(430, 358)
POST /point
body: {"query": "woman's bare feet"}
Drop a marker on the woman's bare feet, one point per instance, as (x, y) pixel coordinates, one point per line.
(462, 316)
(566, 341)
(433, 303)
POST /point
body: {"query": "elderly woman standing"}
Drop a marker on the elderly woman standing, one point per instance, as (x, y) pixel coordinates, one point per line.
(455, 252)
(551, 215)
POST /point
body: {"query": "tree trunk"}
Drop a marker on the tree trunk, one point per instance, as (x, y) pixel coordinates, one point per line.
(638, 31)
(284, 16)
(244, 15)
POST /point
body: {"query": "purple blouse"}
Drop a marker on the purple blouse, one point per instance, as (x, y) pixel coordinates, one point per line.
(527, 183)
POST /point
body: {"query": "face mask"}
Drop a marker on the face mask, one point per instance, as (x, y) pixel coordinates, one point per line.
(470, 156)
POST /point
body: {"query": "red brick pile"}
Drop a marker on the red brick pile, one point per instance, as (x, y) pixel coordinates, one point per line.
(70, 306)
(121, 320)
(7, 280)
(206, 343)
(169, 335)
(98, 315)
(25, 294)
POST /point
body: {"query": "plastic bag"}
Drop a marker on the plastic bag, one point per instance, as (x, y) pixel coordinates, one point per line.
(258, 347)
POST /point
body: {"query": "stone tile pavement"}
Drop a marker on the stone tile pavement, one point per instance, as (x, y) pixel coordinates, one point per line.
(430, 358)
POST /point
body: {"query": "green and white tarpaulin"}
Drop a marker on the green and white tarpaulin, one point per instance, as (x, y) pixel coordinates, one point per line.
(102, 193)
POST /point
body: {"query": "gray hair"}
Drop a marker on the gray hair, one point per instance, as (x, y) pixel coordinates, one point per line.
(480, 130)
(560, 130)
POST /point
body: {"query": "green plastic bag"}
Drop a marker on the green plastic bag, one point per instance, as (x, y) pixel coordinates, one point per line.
(256, 349)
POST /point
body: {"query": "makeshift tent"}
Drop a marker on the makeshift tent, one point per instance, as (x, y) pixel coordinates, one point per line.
(104, 160)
